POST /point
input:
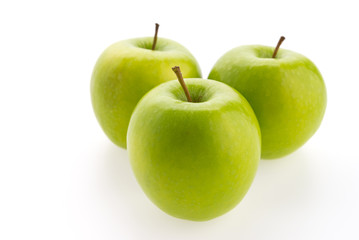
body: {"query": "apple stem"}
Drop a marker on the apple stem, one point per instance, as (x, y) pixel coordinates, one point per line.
(155, 37)
(178, 73)
(278, 45)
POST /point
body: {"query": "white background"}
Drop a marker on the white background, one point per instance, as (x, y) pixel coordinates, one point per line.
(61, 178)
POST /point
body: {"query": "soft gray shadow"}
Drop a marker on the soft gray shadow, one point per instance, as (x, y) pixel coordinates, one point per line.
(118, 170)
(284, 187)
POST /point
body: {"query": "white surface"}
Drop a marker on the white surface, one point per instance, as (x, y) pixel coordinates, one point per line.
(61, 178)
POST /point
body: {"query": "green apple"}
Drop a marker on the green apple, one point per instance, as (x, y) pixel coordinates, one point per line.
(126, 71)
(286, 92)
(194, 160)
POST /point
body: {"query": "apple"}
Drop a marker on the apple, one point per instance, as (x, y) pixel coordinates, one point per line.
(194, 159)
(126, 71)
(285, 90)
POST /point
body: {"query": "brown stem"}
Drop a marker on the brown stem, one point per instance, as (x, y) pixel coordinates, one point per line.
(178, 73)
(278, 45)
(155, 37)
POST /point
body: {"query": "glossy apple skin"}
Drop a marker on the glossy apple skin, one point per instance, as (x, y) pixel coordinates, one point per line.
(126, 71)
(287, 94)
(195, 160)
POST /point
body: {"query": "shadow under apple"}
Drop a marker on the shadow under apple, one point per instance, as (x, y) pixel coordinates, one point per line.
(283, 187)
(284, 190)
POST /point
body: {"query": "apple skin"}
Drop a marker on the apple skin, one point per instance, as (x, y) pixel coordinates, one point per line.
(194, 160)
(126, 71)
(287, 94)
